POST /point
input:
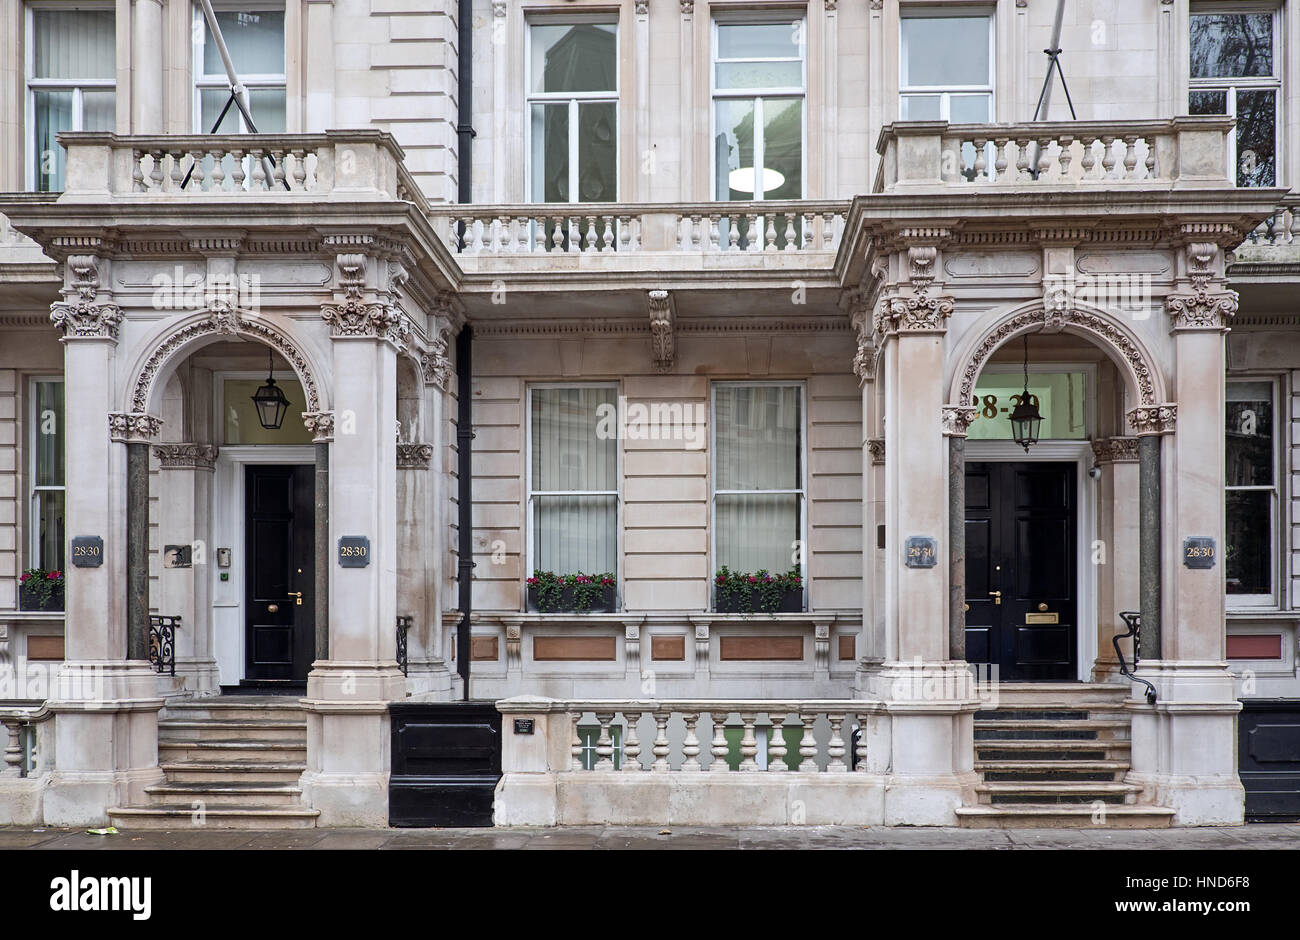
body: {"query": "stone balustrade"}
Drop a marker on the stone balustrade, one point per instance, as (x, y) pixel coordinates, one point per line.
(689, 754)
(1183, 152)
(692, 762)
(1280, 228)
(22, 726)
(707, 228)
(355, 163)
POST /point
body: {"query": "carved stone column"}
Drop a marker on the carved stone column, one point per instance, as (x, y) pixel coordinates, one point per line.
(1118, 582)
(105, 693)
(348, 694)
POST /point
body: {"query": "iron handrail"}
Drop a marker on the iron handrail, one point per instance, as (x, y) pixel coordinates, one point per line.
(1134, 621)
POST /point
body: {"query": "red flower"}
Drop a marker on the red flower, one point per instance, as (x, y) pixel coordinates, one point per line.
(56, 575)
(24, 578)
(753, 580)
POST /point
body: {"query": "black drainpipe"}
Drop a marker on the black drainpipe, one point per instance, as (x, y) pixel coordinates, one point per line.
(465, 100)
(465, 497)
(464, 369)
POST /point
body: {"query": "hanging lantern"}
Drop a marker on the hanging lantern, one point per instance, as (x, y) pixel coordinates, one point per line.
(1025, 419)
(269, 399)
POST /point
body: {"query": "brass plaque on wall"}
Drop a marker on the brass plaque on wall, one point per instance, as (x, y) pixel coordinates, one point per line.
(1042, 618)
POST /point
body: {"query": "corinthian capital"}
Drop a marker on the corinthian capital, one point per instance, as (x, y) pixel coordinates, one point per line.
(133, 427)
(1202, 309)
(1153, 419)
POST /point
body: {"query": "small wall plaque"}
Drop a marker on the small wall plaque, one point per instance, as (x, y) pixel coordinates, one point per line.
(177, 556)
(87, 551)
(354, 551)
(1198, 551)
(523, 726)
(921, 551)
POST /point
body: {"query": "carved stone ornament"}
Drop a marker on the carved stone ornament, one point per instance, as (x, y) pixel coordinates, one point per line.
(414, 456)
(661, 330)
(253, 328)
(133, 427)
(1033, 318)
(1202, 309)
(357, 320)
(688, 7)
(499, 8)
(920, 314)
(435, 364)
(320, 424)
(186, 456)
(1115, 450)
(642, 7)
(1153, 419)
(79, 315)
(876, 448)
(957, 419)
(864, 361)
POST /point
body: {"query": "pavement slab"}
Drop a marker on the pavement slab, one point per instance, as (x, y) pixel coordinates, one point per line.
(653, 838)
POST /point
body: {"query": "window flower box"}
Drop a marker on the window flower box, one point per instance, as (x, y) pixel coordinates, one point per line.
(758, 593)
(579, 593)
(39, 589)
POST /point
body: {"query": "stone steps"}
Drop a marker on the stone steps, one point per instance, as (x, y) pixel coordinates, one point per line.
(1023, 816)
(229, 763)
(1053, 755)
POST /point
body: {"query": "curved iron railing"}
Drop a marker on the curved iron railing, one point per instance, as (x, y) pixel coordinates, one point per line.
(162, 643)
(1134, 621)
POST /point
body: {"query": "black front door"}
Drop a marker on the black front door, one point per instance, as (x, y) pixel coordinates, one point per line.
(279, 604)
(1020, 569)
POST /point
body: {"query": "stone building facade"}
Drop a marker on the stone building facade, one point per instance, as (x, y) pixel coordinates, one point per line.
(738, 284)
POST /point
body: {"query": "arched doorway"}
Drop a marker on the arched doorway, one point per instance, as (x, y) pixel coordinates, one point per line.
(1048, 537)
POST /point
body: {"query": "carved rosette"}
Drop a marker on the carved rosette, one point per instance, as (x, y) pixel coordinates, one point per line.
(876, 448)
(957, 419)
(320, 424)
(131, 427)
(414, 456)
(661, 329)
(1202, 309)
(186, 456)
(1153, 419)
(1115, 450)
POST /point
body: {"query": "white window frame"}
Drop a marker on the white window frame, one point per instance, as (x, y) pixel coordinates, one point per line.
(801, 492)
(757, 95)
(220, 82)
(945, 92)
(1230, 85)
(34, 425)
(76, 86)
(531, 506)
(1274, 598)
(573, 98)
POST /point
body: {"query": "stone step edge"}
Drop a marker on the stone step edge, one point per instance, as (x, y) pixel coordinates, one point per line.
(1061, 809)
(167, 809)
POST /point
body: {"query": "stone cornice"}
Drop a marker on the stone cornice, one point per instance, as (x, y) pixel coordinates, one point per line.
(1106, 450)
(133, 427)
(1153, 419)
(186, 456)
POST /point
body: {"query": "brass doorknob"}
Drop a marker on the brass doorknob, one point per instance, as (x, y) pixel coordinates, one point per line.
(272, 608)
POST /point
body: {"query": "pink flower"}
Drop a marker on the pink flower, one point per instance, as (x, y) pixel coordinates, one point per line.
(24, 578)
(56, 575)
(753, 580)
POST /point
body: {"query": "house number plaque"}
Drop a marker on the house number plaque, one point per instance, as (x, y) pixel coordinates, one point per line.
(921, 551)
(1198, 551)
(87, 551)
(354, 551)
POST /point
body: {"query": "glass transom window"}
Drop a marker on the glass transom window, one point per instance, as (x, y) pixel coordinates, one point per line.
(1060, 397)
